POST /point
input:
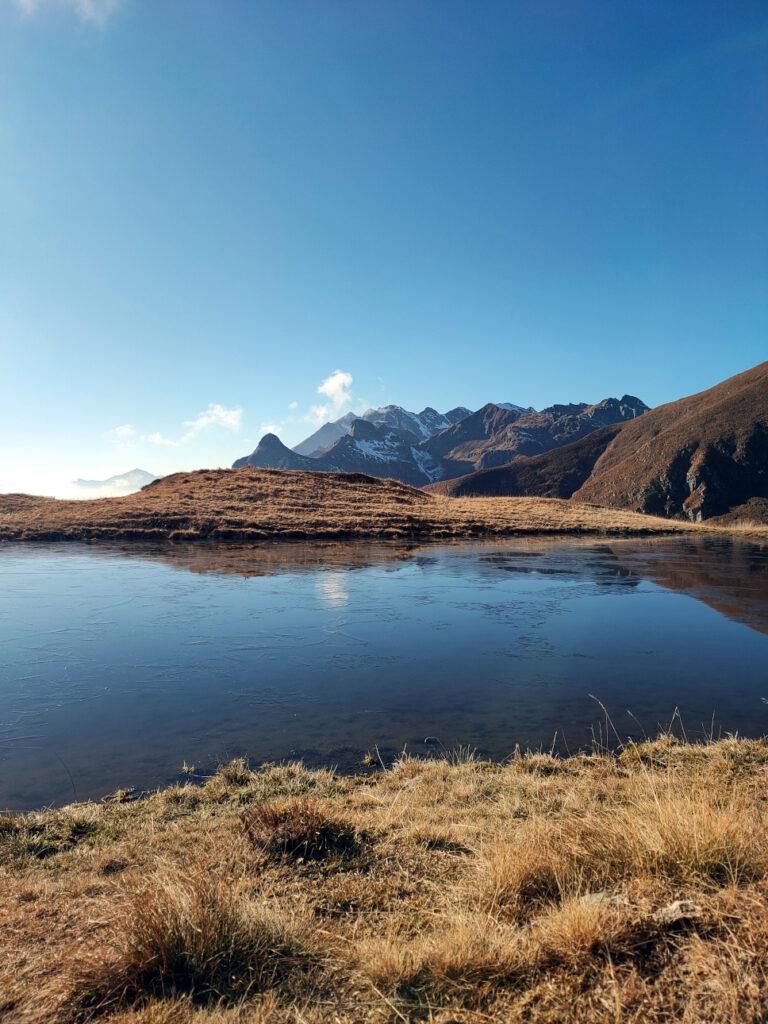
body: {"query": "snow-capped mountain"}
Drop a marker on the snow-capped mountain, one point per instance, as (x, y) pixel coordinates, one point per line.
(392, 442)
(420, 424)
(323, 438)
(511, 407)
(371, 448)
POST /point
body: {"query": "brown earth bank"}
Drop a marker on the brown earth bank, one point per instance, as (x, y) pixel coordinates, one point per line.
(701, 457)
(594, 889)
(249, 504)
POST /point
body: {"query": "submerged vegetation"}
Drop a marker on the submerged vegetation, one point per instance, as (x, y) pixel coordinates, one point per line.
(595, 888)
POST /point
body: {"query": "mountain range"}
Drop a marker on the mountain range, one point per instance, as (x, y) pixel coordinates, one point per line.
(420, 448)
(421, 424)
(701, 457)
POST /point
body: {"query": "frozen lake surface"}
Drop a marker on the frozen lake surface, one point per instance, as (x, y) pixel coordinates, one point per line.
(118, 664)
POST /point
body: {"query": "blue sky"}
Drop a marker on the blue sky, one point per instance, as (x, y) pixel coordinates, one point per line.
(208, 207)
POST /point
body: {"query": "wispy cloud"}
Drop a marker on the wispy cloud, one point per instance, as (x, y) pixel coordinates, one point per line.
(216, 415)
(337, 388)
(95, 11)
(124, 434)
(160, 439)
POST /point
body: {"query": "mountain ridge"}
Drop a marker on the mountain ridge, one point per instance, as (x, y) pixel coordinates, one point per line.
(421, 424)
(387, 443)
(701, 457)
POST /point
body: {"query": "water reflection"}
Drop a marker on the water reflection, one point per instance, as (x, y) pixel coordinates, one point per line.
(117, 664)
(730, 575)
(332, 588)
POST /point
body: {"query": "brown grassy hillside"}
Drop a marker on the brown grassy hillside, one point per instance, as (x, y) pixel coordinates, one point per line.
(702, 457)
(590, 890)
(257, 504)
(698, 457)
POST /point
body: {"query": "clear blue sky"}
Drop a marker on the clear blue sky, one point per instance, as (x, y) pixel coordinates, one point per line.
(208, 206)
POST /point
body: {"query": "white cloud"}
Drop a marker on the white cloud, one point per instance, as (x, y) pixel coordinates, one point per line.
(293, 405)
(95, 11)
(160, 439)
(123, 434)
(337, 389)
(214, 416)
(270, 428)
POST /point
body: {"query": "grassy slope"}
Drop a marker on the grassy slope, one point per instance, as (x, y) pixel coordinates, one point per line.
(256, 504)
(541, 891)
(729, 418)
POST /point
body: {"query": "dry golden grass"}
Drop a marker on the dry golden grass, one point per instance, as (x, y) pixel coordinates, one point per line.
(298, 828)
(590, 889)
(247, 505)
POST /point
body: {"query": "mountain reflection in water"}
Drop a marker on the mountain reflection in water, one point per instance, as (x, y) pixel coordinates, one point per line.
(118, 663)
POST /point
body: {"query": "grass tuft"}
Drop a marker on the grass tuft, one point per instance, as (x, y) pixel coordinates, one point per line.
(198, 937)
(299, 829)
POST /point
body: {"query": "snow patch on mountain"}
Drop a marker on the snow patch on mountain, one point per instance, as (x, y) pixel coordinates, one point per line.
(428, 466)
(511, 407)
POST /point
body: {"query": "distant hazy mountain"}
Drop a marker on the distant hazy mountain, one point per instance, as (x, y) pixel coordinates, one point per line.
(421, 424)
(113, 486)
(406, 446)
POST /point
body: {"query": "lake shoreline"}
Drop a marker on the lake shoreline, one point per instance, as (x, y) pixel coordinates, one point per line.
(251, 506)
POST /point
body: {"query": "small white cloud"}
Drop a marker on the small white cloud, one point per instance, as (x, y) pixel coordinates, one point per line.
(293, 405)
(95, 11)
(337, 388)
(122, 434)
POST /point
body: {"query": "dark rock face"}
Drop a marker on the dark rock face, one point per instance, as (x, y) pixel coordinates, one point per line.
(534, 433)
(271, 453)
(702, 482)
(555, 474)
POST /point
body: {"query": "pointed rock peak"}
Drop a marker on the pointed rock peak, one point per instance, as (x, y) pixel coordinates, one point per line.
(633, 402)
(271, 442)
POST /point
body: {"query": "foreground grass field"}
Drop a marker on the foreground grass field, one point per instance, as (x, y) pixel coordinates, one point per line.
(598, 888)
(258, 504)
